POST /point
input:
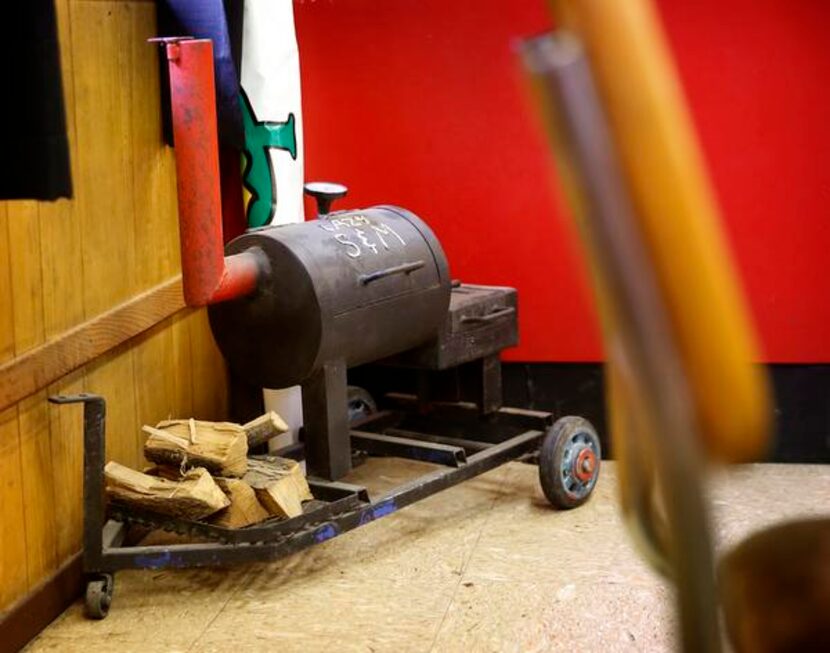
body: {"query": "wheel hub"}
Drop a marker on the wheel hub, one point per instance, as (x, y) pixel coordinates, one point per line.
(585, 463)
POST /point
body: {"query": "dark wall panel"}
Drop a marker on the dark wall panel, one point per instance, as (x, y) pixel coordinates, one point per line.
(802, 400)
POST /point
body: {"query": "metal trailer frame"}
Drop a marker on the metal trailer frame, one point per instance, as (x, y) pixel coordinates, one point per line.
(488, 442)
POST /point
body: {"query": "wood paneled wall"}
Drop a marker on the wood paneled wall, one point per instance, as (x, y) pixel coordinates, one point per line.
(65, 262)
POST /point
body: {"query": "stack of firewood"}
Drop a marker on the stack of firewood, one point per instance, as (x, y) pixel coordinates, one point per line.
(202, 472)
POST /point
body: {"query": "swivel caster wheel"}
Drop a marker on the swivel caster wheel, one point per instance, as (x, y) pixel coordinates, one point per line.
(569, 461)
(98, 596)
(361, 404)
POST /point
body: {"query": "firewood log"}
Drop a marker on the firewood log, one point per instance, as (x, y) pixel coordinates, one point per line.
(263, 428)
(279, 484)
(219, 447)
(245, 508)
(194, 497)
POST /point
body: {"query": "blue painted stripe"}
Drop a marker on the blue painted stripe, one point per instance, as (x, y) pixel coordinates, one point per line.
(325, 532)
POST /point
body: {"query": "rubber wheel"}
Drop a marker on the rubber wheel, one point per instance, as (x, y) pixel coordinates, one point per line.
(98, 597)
(360, 403)
(569, 462)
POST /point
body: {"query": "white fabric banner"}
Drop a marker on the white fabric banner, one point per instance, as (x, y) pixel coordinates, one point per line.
(271, 83)
(272, 116)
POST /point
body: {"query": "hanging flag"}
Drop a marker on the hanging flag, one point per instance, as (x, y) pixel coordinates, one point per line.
(271, 114)
(209, 19)
(273, 157)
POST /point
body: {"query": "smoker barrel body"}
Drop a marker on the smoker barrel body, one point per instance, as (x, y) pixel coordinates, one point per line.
(355, 286)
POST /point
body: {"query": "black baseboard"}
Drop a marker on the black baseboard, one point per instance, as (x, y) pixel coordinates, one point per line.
(25, 619)
(802, 413)
(802, 399)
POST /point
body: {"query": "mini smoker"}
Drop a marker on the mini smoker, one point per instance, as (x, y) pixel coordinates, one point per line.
(299, 304)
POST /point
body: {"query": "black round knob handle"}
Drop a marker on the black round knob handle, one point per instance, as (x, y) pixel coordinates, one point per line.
(325, 192)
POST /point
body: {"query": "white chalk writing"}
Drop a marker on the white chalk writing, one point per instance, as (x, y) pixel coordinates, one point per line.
(355, 233)
(343, 239)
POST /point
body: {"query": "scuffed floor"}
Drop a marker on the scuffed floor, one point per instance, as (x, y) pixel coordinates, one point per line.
(485, 566)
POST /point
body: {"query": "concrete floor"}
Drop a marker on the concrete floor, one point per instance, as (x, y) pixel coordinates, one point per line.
(485, 566)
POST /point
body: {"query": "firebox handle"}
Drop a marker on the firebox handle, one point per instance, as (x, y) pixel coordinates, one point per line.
(495, 315)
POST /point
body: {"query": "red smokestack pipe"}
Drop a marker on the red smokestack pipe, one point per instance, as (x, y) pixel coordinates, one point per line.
(208, 276)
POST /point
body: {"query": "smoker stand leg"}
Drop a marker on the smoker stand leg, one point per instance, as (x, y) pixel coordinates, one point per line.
(326, 423)
(491, 393)
(484, 378)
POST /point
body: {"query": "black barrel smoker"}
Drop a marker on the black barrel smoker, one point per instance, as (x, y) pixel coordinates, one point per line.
(348, 288)
(299, 304)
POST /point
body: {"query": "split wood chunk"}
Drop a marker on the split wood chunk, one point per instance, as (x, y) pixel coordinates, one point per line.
(277, 467)
(245, 508)
(263, 428)
(279, 484)
(219, 447)
(194, 497)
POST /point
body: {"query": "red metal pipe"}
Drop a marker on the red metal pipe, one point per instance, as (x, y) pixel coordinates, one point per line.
(234, 221)
(208, 276)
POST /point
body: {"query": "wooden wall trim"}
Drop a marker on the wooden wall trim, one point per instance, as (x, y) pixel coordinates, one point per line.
(29, 616)
(45, 364)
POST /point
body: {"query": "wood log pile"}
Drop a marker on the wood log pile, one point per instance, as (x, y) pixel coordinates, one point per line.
(203, 472)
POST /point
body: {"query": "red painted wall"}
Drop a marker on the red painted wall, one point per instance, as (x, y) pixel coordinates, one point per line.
(420, 103)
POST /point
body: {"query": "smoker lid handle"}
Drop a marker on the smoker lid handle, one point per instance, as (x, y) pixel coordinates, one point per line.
(324, 192)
